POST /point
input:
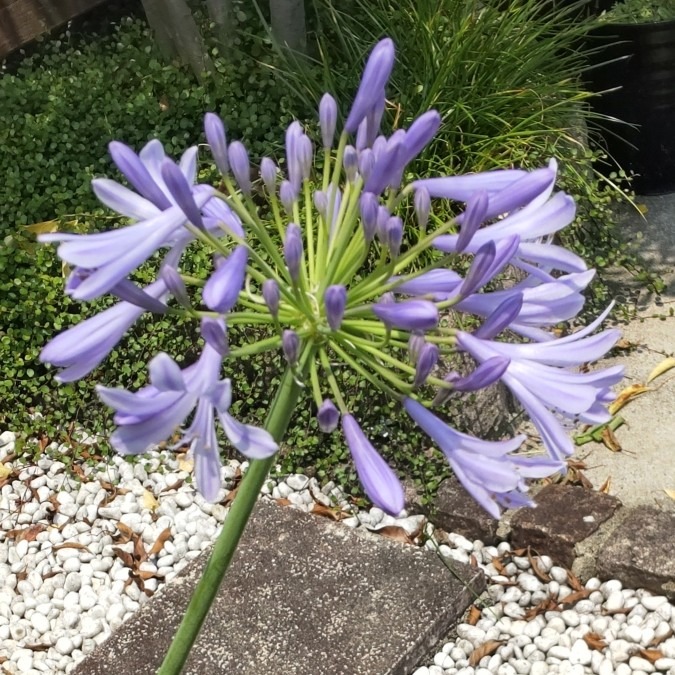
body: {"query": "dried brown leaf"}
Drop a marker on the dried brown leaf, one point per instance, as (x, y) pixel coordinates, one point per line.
(29, 533)
(595, 641)
(125, 533)
(538, 572)
(164, 535)
(474, 615)
(328, 512)
(126, 558)
(628, 394)
(229, 497)
(486, 649)
(610, 440)
(499, 566)
(574, 582)
(605, 487)
(282, 501)
(549, 604)
(663, 367)
(658, 640)
(395, 533)
(70, 544)
(651, 655)
(140, 553)
(572, 599)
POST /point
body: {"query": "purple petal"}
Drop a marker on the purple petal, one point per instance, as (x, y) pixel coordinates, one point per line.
(215, 335)
(474, 216)
(181, 192)
(221, 291)
(416, 315)
(378, 480)
(460, 188)
(217, 140)
(328, 416)
(252, 442)
(122, 200)
(335, 300)
(165, 373)
(438, 282)
(501, 318)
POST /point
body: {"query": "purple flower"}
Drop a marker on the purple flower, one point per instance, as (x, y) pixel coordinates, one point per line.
(370, 125)
(335, 300)
(474, 216)
(438, 283)
(489, 261)
(538, 376)
(414, 315)
(366, 163)
(112, 256)
(415, 343)
(460, 188)
(389, 164)
(422, 207)
(81, 348)
(214, 333)
(293, 250)
(221, 291)
(293, 134)
(350, 163)
(268, 173)
(288, 194)
(488, 471)
(290, 345)
(327, 119)
(368, 206)
(239, 163)
(371, 89)
(421, 131)
(214, 130)
(181, 191)
(218, 216)
(150, 416)
(270, 291)
(175, 284)
(394, 235)
(426, 361)
(328, 416)
(378, 480)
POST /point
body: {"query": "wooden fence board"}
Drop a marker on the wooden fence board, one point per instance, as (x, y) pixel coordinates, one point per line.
(23, 20)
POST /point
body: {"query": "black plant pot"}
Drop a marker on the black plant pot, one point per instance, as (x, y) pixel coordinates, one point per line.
(640, 59)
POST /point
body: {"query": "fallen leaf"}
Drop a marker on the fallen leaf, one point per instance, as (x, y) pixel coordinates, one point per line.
(126, 558)
(574, 582)
(229, 497)
(125, 533)
(70, 544)
(642, 208)
(572, 599)
(610, 440)
(549, 604)
(651, 655)
(27, 533)
(604, 488)
(140, 554)
(474, 615)
(148, 501)
(4, 471)
(164, 535)
(663, 367)
(658, 640)
(328, 512)
(396, 533)
(628, 394)
(670, 493)
(486, 649)
(282, 501)
(624, 344)
(499, 566)
(538, 572)
(186, 465)
(43, 228)
(595, 641)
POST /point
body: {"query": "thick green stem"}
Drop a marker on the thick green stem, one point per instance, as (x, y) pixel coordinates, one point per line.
(226, 544)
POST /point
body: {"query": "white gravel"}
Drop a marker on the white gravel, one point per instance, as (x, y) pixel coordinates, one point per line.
(79, 557)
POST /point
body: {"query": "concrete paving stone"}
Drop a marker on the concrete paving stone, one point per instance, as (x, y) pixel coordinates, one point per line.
(454, 510)
(641, 551)
(304, 596)
(565, 515)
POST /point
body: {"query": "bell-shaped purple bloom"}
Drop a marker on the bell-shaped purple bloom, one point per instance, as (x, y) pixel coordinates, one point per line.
(426, 362)
(293, 250)
(350, 162)
(112, 256)
(539, 378)
(78, 350)
(214, 130)
(149, 416)
(366, 163)
(378, 480)
(394, 235)
(327, 119)
(214, 333)
(368, 207)
(335, 300)
(389, 164)
(221, 291)
(288, 194)
(488, 471)
(501, 318)
(414, 315)
(268, 173)
(371, 89)
(294, 133)
(271, 295)
(485, 375)
(474, 216)
(383, 216)
(239, 163)
(129, 292)
(415, 343)
(422, 202)
(290, 345)
(328, 416)
(175, 284)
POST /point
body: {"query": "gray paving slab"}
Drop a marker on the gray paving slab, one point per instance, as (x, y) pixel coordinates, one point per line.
(645, 468)
(304, 596)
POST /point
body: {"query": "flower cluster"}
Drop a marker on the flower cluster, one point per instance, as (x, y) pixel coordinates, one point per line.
(326, 272)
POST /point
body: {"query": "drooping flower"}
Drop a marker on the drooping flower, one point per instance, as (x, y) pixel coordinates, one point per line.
(489, 470)
(150, 416)
(328, 416)
(379, 481)
(221, 291)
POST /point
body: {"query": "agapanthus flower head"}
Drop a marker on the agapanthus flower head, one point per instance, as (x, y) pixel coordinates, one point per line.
(344, 273)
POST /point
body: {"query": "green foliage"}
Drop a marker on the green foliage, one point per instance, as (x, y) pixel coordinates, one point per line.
(60, 107)
(640, 11)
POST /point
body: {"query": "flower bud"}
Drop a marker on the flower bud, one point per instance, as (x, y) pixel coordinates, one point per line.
(305, 156)
(268, 173)
(293, 134)
(394, 236)
(288, 195)
(335, 300)
(472, 218)
(415, 343)
(328, 416)
(366, 162)
(181, 192)
(214, 333)
(321, 202)
(175, 284)
(290, 344)
(270, 291)
(383, 216)
(293, 250)
(427, 359)
(368, 206)
(217, 140)
(221, 291)
(422, 207)
(239, 164)
(327, 119)
(413, 315)
(350, 162)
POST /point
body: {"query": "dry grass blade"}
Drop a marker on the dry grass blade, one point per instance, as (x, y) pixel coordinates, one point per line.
(70, 544)
(628, 394)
